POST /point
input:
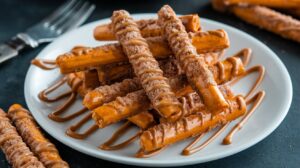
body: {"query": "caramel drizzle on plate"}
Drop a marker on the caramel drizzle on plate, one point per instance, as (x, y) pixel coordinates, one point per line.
(44, 64)
(108, 145)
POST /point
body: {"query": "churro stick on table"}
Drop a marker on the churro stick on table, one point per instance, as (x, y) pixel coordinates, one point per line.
(145, 66)
(31, 134)
(148, 28)
(268, 3)
(223, 72)
(169, 133)
(87, 58)
(193, 65)
(270, 20)
(264, 18)
(15, 150)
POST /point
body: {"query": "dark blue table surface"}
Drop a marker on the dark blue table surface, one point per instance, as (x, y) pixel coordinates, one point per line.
(280, 149)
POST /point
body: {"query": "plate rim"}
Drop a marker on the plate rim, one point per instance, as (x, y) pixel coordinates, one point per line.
(167, 163)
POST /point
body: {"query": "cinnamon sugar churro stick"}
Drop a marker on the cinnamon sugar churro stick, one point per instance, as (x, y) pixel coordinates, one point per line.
(145, 66)
(194, 66)
(107, 93)
(114, 73)
(134, 103)
(121, 108)
(40, 146)
(87, 58)
(270, 20)
(222, 71)
(11, 143)
(168, 133)
(264, 18)
(268, 3)
(148, 28)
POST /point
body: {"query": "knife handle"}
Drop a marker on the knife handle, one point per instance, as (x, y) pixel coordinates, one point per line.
(11, 48)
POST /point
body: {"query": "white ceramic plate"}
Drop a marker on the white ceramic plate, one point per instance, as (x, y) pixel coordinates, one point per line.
(267, 117)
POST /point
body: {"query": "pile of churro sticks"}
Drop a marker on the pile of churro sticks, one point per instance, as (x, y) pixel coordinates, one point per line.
(23, 143)
(162, 75)
(261, 14)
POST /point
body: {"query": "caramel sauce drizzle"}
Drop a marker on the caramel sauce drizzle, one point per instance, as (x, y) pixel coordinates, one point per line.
(256, 100)
(244, 54)
(142, 154)
(108, 145)
(71, 131)
(44, 64)
(43, 95)
(188, 150)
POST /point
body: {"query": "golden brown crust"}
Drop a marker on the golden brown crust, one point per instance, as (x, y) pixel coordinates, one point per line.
(194, 66)
(145, 66)
(148, 28)
(11, 143)
(31, 134)
(90, 58)
(270, 20)
(168, 133)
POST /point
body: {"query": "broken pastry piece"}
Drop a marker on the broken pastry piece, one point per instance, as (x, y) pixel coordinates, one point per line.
(31, 134)
(15, 150)
(148, 27)
(194, 66)
(87, 58)
(168, 133)
(145, 66)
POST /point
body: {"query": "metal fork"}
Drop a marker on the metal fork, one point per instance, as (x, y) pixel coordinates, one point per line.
(67, 17)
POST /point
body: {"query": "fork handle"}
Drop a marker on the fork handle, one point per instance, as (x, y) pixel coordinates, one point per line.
(12, 47)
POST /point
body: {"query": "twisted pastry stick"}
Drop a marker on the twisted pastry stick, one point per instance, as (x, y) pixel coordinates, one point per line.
(194, 66)
(40, 146)
(145, 66)
(268, 3)
(168, 133)
(11, 143)
(87, 58)
(148, 28)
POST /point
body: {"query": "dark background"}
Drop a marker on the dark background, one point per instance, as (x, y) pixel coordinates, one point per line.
(280, 149)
